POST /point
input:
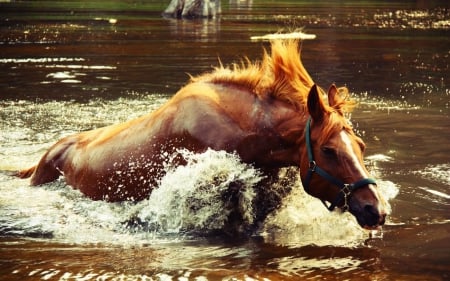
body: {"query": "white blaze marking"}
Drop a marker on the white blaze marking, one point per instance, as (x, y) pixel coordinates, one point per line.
(346, 139)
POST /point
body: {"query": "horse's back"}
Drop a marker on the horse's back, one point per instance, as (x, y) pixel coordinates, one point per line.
(124, 161)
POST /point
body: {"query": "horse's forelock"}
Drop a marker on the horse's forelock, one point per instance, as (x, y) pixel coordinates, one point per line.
(333, 124)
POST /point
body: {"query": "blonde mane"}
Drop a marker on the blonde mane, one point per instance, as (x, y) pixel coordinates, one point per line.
(280, 75)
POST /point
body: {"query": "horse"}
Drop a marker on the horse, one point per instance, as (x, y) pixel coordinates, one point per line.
(269, 112)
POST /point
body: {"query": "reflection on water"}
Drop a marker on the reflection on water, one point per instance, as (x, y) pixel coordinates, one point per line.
(73, 66)
(166, 262)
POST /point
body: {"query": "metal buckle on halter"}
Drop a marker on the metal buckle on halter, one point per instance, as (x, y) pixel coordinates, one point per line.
(312, 165)
(346, 190)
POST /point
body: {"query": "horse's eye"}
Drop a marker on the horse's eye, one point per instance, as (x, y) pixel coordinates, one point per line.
(328, 151)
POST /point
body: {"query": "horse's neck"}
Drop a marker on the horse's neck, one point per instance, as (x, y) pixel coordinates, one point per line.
(276, 142)
(261, 113)
(291, 128)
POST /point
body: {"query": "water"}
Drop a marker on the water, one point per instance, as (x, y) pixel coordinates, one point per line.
(73, 66)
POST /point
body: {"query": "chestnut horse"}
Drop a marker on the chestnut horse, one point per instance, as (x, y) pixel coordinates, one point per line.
(269, 113)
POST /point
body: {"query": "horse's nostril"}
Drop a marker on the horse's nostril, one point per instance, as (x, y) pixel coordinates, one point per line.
(374, 216)
(370, 209)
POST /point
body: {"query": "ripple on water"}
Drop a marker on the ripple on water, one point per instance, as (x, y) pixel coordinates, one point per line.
(438, 173)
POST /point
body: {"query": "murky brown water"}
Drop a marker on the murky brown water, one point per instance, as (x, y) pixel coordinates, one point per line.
(72, 66)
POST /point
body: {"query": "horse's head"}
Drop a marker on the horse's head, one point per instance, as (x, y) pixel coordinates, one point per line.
(332, 166)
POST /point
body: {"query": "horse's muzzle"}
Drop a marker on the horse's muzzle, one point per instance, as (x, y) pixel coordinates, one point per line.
(368, 210)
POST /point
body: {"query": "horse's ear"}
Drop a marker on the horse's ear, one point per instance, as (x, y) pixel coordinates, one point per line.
(333, 96)
(316, 108)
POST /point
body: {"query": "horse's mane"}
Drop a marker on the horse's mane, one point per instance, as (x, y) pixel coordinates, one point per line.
(280, 75)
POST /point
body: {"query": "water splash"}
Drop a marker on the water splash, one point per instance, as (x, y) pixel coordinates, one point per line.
(303, 220)
(213, 189)
(202, 195)
(213, 192)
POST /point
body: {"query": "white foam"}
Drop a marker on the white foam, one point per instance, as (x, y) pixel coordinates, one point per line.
(194, 197)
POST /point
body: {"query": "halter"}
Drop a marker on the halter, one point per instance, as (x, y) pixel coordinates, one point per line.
(346, 189)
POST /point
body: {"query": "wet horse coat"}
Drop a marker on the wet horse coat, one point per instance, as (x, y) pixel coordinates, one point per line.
(257, 110)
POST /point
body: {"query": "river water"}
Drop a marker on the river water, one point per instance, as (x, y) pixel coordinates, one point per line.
(71, 66)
